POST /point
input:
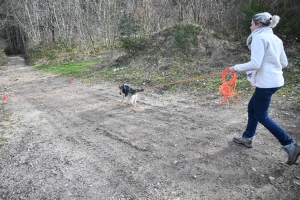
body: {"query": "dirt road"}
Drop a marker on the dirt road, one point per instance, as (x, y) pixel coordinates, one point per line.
(76, 141)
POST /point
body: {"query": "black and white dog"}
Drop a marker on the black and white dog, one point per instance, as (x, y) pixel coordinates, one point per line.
(125, 91)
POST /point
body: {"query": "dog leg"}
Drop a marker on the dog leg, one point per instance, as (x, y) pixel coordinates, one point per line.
(135, 101)
(130, 100)
(122, 100)
(134, 98)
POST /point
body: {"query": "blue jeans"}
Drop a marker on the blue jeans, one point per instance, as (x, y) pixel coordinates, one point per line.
(258, 107)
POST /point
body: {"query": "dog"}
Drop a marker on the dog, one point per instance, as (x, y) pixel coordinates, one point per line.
(125, 91)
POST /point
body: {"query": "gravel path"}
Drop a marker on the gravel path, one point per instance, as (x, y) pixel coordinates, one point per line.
(76, 141)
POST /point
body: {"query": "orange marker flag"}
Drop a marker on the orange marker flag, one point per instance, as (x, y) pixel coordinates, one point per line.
(5, 97)
(70, 79)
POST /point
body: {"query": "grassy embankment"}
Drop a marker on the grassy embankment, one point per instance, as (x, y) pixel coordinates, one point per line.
(143, 69)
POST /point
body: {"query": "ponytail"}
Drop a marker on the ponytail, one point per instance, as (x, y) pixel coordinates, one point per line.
(274, 21)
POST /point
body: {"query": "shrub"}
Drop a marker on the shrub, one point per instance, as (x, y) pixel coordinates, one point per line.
(185, 35)
(132, 44)
(131, 36)
(289, 26)
(3, 57)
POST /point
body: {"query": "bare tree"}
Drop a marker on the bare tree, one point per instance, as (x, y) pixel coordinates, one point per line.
(88, 22)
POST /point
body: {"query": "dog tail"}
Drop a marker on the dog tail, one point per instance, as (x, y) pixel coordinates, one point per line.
(139, 90)
(134, 91)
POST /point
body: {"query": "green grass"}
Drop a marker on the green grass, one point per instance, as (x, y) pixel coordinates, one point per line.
(3, 58)
(138, 77)
(291, 87)
(149, 77)
(68, 69)
(2, 139)
(138, 72)
(5, 118)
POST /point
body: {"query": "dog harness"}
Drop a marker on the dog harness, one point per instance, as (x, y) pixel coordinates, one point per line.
(126, 90)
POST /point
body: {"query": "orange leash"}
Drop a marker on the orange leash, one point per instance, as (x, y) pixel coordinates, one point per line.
(228, 89)
(181, 81)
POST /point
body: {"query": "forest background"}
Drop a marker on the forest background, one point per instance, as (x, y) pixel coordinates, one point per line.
(152, 41)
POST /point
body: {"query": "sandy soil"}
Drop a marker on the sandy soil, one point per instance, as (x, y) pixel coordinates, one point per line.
(76, 141)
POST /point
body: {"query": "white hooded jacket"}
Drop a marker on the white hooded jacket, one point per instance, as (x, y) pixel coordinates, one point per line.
(268, 58)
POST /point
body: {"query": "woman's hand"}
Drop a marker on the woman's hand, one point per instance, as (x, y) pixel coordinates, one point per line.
(231, 69)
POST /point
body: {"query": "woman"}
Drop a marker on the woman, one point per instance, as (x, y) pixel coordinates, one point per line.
(265, 73)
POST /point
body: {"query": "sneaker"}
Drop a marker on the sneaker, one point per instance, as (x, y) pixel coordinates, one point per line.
(245, 141)
(293, 152)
